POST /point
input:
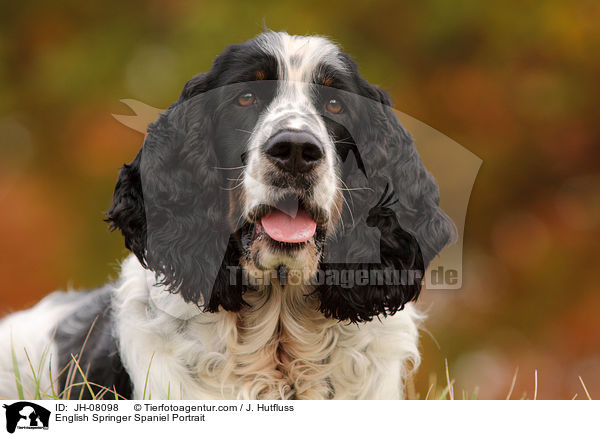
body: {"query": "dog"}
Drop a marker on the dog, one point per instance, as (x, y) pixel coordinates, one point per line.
(279, 220)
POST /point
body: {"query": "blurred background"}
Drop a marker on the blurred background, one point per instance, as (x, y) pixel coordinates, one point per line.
(516, 83)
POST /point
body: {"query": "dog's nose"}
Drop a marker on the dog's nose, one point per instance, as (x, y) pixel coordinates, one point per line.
(295, 152)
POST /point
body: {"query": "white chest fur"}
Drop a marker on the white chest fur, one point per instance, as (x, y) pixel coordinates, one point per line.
(278, 348)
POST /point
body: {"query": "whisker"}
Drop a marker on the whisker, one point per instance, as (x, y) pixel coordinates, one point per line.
(241, 217)
(340, 215)
(234, 188)
(238, 179)
(351, 199)
(355, 189)
(341, 140)
(349, 210)
(347, 187)
(346, 202)
(245, 131)
(230, 168)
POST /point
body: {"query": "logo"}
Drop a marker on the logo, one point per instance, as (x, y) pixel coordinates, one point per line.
(26, 415)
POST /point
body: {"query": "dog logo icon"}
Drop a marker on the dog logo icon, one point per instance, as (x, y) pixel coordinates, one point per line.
(26, 415)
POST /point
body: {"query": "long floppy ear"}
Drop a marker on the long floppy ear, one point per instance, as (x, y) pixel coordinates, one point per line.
(412, 228)
(169, 203)
(127, 212)
(393, 159)
(418, 194)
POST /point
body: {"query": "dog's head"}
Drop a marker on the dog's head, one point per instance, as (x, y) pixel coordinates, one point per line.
(281, 156)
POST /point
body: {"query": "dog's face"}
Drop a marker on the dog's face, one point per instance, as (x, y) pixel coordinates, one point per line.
(277, 157)
(290, 193)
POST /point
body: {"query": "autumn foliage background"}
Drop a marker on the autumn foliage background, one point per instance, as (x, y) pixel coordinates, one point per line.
(516, 83)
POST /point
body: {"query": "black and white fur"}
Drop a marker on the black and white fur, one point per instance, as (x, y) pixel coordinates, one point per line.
(174, 324)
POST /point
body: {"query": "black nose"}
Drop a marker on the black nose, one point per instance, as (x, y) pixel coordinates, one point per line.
(295, 152)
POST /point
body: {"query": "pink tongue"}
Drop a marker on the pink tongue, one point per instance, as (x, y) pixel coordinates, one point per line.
(284, 228)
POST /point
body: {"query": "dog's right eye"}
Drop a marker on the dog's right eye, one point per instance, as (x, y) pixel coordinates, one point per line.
(246, 99)
(334, 106)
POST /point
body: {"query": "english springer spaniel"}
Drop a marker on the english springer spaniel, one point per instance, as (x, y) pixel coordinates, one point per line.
(280, 221)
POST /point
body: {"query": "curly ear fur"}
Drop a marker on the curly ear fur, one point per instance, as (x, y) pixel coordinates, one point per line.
(416, 189)
(127, 212)
(168, 203)
(184, 208)
(393, 156)
(413, 228)
(391, 283)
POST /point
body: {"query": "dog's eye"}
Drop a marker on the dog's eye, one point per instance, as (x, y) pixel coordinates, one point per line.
(246, 99)
(334, 106)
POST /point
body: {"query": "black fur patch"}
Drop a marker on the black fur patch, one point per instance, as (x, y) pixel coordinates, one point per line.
(399, 252)
(99, 358)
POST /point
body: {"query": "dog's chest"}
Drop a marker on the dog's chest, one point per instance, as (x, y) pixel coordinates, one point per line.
(278, 348)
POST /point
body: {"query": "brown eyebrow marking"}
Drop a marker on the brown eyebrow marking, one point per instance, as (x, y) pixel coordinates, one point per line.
(260, 75)
(327, 81)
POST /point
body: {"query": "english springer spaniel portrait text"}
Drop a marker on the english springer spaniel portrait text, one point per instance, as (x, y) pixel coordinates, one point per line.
(280, 222)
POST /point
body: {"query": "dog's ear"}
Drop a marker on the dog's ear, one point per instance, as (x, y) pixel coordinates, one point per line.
(127, 212)
(169, 203)
(394, 160)
(412, 227)
(185, 202)
(417, 191)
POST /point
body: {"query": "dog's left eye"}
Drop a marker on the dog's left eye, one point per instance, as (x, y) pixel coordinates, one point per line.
(246, 99)
(334, 106)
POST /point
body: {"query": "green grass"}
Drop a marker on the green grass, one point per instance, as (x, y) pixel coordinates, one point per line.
(146, 381)
(72, 370)
(437, 390)
(16, 371)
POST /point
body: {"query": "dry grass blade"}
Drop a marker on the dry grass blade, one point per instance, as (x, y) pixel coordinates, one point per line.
(101, 391)
(70, 380)
(50, 378)
(84, 378)
(72, 373)
(436, 343)
(535, 385)
(87, 336)
(450, 384)
(429, 391)
(512, 385)
(584, 388)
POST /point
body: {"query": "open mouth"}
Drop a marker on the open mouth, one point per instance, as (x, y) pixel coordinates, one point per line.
(290, 223)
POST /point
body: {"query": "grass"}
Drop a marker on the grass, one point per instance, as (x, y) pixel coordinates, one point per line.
(446, 389)
(437, 390)
(16, 371)
(72, 370)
